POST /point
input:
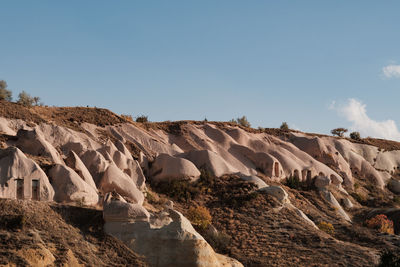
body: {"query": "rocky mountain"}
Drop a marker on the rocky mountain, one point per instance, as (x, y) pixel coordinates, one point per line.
(195, 193)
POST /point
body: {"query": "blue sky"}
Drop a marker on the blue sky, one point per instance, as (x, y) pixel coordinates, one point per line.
(272, 61)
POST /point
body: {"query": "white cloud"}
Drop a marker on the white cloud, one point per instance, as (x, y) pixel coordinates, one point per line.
(356, 113)
(391, 71)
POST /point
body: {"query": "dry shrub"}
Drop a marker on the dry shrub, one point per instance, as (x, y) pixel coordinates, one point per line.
(327, 228)
(381, 223)
(199, 216)
(219, 241)
(127, 117)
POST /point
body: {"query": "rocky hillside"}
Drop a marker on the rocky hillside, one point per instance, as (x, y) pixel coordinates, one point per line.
(274, 197)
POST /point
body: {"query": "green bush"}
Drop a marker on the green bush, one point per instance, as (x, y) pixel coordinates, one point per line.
(241, 121)
(142, 119)
(293, 182)
(284, 126)
(339, 131)
(25, 99)
(4, 93)
(355, 136)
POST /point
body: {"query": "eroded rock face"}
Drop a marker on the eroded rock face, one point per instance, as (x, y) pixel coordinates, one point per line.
(34, 142)
(18, 171)
(70, 187)
(95, 163)
(114, 179)
(334, 203)
(211, 161)
(176, 244)
(74, 162)
(116, 209)
(166, 168)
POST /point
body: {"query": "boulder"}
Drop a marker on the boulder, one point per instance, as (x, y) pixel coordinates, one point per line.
(175, 244)
(70, 187)
(114, 179)
(166, 167)
(116, 209)
(322, 182)
(74, 162)
(394, 186)
(276, 191)
(16, 168)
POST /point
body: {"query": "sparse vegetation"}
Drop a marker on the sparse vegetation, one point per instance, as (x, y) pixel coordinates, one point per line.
(180, 190)
(185, 191)
(127, 117)
(284, 126)
(219, 241)
(355, 136)
(25, 99)
(241, 121)
(199, 216)
(13, 222)
(327, 228)
(359, 198)
(381, 223)
(142, 119)
(293, 182)
(4, 93)
(339, 131)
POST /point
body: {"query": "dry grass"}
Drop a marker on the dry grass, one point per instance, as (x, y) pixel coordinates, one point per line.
(60, 229)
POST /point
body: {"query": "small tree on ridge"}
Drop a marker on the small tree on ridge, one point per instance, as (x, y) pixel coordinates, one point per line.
(339, 131)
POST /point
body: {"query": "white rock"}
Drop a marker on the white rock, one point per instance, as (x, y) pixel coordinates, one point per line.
(14, 165)
(116, 210)
(210, 161)
(347, 203)
(276, 191)
(166, 167)
(75, 163)
(332, 200)
(34, 143)
(114, 179)
(175, 244)
(70, 187)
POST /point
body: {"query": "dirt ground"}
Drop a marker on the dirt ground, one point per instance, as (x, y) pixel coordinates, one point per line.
(66, 231)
